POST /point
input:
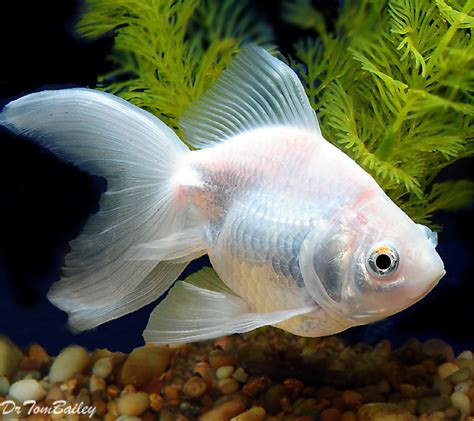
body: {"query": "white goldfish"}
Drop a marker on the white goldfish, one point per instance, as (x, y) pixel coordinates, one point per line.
(300, 237)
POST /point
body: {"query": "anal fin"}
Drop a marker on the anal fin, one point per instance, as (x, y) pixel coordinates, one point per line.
(202, 307)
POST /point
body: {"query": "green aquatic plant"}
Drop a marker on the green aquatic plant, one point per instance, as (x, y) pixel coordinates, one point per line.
(393, 86)
(167, 53)
(392, 83)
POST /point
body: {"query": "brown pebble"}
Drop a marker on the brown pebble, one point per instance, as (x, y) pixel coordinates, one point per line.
(330, 414)
(293, 387)
(29, 364)
(407, 390)
(348, 416)
(173, 395)
(37, 352)
(113, 391)
(351, 398)
(144, 364)
(225, 411)
(383, 412)
(273, 397)
(256, 386)
(195, 387)
(218, 358)
(156, 401)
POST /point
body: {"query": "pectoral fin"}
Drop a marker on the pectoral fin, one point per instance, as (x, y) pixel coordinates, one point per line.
(203, 307)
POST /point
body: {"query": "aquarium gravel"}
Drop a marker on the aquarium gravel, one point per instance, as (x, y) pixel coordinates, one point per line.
(262, 375)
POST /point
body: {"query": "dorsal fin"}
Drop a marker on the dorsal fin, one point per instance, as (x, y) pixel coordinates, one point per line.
(255, 91)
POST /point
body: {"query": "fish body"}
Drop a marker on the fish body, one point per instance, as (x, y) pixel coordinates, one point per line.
(300, 237)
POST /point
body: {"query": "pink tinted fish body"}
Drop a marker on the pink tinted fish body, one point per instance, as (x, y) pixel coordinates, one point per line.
(299, 236)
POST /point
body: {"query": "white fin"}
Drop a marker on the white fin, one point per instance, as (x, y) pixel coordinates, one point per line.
(148, 290)
(137, 153)
(202, 307)
(175, 247)
(257, 90)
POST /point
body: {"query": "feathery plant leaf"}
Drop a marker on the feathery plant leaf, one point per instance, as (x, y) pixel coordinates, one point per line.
(167, 53)
(393, 87)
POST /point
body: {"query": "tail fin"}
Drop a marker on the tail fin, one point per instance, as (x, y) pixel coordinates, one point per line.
(137, 154)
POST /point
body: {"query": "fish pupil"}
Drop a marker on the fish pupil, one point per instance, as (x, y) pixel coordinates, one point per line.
(383, 261)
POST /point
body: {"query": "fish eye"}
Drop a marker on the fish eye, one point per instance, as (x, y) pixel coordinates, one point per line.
(382, 260)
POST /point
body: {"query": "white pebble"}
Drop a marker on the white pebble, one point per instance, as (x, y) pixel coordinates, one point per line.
(461, 401)
(465, 355)
(27, 389)
(224, 372)
(240, 375)
(70, 361)
(103, 367)
(96, 383)
(133, 404)
(127, 418)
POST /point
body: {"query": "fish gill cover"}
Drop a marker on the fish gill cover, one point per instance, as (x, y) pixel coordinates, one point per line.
(391, 82)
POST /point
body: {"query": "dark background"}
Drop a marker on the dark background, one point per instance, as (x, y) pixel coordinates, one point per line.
(44, 203)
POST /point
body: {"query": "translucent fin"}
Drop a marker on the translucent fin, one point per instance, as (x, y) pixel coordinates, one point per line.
(148, 290)
(137, 153)
(202, 307)
(177, 246)
(257, 90)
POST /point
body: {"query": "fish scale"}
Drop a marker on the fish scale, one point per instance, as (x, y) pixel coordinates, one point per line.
(260, 229)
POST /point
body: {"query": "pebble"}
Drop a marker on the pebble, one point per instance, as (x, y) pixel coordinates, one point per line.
(103, 367)
(446, 369)
(438, 348)
(442, 386)
(224, 412)
(256, 386)
(195, 387)
(460, 375)
(256, 413)
(27, 389)
(173, 395)
(55, 394)
(228, 386)
(156, 402)
(330, 414)
(218, 358)
(383, 412)
(96, 383)
(224, 372)
(465, 355)
(70, 361)
(240, 375)
(133, 404)
(273, 397)
(144, 364)
(407, 390)
(429, 404)
(351, 398)
(461, 401)
(348, 416)
(4, 385)
(9, 358)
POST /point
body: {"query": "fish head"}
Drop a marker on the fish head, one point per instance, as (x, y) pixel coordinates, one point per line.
(370, 262)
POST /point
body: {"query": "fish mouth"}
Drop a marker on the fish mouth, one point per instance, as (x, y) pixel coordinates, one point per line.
(434, 283)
